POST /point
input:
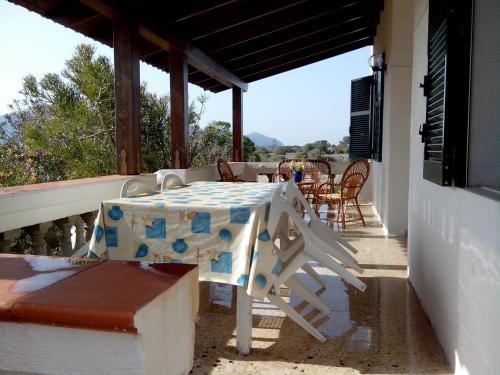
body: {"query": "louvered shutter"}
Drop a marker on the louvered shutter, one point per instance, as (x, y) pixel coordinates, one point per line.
(446, 88)
(377, 116)
(359, 129)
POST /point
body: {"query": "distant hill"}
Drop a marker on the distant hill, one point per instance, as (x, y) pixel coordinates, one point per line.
(262, 140)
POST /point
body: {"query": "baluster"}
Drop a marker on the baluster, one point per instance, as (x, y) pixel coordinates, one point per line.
(89, 219)
(37, 233)
(79, 232)
(66, 246)
(7, 239)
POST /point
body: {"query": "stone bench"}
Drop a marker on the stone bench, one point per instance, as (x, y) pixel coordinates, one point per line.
(71, 316)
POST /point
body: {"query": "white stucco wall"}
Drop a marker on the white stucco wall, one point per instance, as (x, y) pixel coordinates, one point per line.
(390, 177)
(454, 246)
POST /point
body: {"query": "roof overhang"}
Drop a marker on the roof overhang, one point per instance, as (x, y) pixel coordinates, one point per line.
(228, 42)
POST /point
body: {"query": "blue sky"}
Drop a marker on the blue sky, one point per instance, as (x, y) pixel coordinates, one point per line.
(300, 106)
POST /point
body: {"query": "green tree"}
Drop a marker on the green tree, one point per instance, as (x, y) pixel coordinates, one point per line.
(249, 149)
(63, 125)
(210, 143)
(343, 146)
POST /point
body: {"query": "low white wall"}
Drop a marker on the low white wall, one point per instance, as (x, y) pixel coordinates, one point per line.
(454, 248)
(52, 201)
(249, 172)
(23, 206)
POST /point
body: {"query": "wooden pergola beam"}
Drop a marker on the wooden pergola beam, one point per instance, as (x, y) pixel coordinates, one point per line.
(284, 67)
(302, 43)
(127, 87)
(237, 124)
(195, 57)
(179, 125)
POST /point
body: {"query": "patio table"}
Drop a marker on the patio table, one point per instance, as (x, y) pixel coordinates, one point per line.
(220, 226)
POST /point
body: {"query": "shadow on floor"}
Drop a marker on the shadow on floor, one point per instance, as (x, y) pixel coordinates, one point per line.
(382, 330)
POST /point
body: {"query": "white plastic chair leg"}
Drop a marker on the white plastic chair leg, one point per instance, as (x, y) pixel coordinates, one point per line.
(322, 246)
(298, 287)
(295, 316)
(280, 206)
(311, 272)
(298, 261)
(330, 263)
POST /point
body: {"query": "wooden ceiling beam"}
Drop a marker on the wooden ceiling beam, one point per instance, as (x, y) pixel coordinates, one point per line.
(337, 21)
(233, 15)
(305, 60)
(294, 43)
(68, 12)
(148, 49)
(195, 56)
(170, 12)
(314, 57)
(94, 19)
(287, 18)
(299, 49)
(294, 51)
(300, 55)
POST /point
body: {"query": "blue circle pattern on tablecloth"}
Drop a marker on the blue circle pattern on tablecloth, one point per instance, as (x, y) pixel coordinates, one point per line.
(115, 213)
(225, 234)
(179, 246)
(260, 281)
(142, 251)
(98, 232)
(264, 235)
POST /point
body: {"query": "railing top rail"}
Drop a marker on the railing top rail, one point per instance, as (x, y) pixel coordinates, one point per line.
(59, 184)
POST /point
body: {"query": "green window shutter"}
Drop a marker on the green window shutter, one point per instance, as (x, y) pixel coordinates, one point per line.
(361, 110)
(377, 115)
(446, 87)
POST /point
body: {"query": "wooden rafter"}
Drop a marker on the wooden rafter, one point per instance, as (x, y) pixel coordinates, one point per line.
(281, 68)
(196, 57)
(287, 18)
(237, 41)
(290, 53)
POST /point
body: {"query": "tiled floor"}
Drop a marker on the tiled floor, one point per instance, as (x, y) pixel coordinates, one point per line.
(381, 331)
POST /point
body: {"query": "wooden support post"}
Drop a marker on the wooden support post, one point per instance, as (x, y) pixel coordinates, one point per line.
(179, 126)
(237, 124)
(127, 85)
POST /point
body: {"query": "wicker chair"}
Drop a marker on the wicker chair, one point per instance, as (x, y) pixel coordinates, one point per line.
(225, 172)
(352, 182)
(312, 168)
(316, 172)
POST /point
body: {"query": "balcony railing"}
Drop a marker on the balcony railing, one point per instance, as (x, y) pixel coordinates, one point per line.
(33, 213)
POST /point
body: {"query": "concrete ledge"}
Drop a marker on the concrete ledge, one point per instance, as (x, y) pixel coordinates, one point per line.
(108, 317)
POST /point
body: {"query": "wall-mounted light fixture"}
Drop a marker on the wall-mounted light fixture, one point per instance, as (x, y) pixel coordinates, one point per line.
(377, 62)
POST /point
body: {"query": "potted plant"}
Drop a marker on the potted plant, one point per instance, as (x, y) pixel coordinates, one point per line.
(297, 167)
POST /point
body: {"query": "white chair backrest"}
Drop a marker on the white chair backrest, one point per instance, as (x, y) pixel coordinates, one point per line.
(311, 244)
(293, 195)
(136, 186)
(171, 181)
(281, 207)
